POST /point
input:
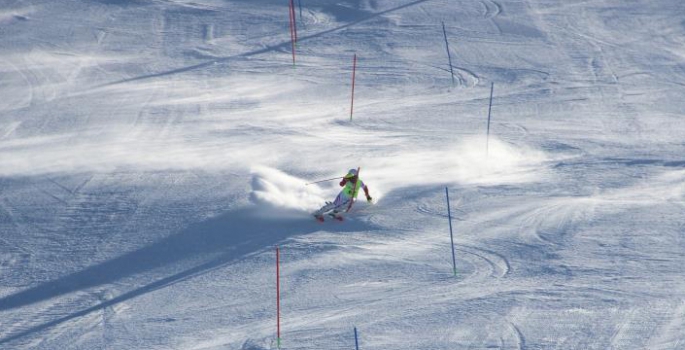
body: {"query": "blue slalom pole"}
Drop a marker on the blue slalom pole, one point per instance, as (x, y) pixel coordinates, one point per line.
(449, 216)
(449, 57)
(356, 341)
(487, 140)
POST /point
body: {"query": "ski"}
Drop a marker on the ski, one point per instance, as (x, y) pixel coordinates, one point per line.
(320, 217)
(336, 216)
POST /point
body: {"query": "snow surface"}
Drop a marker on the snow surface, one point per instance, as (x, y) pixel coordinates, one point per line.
(154, 152)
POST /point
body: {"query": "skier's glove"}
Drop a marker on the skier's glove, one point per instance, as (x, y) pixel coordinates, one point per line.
(369, 199)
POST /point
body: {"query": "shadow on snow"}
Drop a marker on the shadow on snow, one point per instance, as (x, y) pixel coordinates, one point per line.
(199, 248)
(281, 46)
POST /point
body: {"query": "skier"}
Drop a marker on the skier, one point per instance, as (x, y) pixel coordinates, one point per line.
(352, 184)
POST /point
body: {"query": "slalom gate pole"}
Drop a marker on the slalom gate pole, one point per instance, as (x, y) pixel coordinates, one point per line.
(292, 9)
(356, 341)
(449, 57)
(278, 299)
(320, 181)
(354, 71)
(449, 217)
(292, 30)
(487, 140)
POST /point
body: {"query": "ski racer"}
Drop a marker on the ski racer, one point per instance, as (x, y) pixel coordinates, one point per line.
(352, 184)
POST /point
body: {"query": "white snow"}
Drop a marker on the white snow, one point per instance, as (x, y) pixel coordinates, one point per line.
(153, 153)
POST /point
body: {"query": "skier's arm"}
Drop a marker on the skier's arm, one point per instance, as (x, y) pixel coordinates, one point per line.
(366, 192)
(343, 182)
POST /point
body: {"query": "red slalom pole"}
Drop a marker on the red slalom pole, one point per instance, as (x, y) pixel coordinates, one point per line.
(278, 299)
(291, 13)
(354, 71)
(292, 9)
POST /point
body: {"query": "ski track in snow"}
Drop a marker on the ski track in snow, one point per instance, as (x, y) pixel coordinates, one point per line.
(153, 154)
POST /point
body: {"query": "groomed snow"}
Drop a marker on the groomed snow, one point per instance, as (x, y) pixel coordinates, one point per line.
(153, 153)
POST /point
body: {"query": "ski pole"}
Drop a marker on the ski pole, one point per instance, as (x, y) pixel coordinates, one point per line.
(316, 182)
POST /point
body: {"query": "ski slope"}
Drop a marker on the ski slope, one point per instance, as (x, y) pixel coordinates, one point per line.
(153, 153)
